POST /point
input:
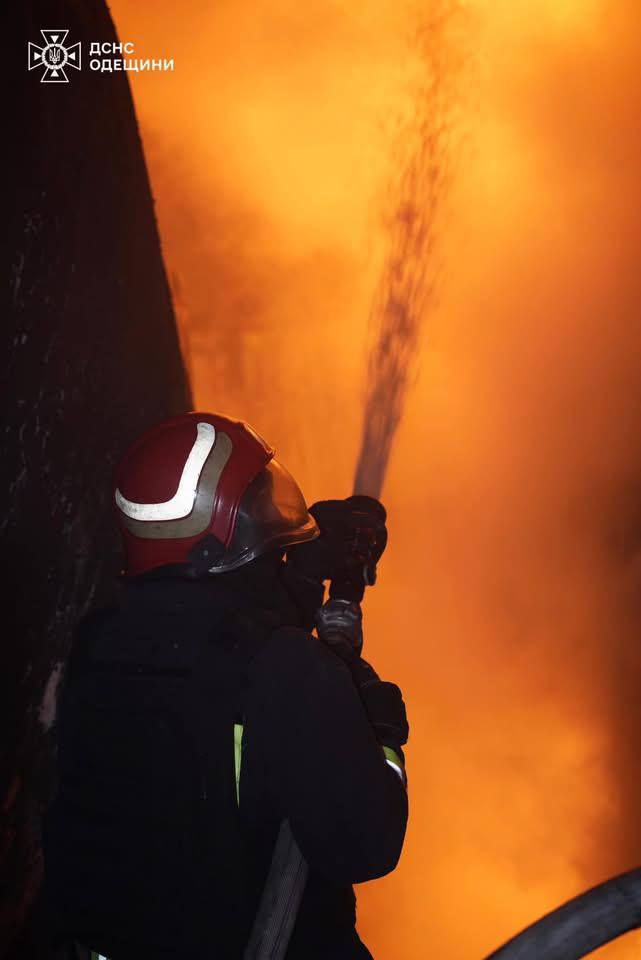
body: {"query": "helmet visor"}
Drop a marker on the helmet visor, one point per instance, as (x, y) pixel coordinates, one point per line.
(272, 513)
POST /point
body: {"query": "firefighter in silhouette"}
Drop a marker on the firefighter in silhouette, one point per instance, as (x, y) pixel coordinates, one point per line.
(201, 713)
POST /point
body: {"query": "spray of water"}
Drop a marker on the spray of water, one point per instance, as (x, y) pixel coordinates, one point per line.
(404, 292)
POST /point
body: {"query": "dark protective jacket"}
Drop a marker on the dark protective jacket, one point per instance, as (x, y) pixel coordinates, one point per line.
(151, 846)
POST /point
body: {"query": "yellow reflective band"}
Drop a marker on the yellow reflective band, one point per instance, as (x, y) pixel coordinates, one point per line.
(238, 756)
(394, 761)
(393, 757)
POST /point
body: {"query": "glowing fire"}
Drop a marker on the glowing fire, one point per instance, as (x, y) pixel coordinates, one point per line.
(506, 608)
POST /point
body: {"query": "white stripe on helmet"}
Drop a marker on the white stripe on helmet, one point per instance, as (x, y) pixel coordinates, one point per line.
(182, 501)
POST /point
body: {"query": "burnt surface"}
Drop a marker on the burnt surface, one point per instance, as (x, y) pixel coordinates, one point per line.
(90, 359)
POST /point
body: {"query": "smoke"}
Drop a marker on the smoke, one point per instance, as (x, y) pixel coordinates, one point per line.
(509, 602)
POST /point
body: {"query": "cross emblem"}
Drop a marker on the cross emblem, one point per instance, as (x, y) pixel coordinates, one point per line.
(54, 56)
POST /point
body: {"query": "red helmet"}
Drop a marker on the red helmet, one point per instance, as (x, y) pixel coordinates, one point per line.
(205, 490)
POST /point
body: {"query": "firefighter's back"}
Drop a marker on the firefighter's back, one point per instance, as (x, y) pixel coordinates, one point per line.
(144, 845)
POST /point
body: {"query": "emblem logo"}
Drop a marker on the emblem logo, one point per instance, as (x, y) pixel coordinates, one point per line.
(54, 56)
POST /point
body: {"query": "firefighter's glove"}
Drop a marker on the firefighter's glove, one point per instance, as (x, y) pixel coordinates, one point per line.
(385, 708)
(339, 624)
(352, 538)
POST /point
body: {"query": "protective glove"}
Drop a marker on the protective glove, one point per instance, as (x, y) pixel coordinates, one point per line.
(352, 538)
(339, 626)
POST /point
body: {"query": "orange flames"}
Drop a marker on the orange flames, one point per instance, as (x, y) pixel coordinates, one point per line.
(509, 598)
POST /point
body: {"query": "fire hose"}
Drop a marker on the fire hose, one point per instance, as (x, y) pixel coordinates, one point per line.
(581, 925)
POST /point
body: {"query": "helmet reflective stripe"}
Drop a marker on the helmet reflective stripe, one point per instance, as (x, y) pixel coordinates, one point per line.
(182, 501)
(199, 518)
(395, 762)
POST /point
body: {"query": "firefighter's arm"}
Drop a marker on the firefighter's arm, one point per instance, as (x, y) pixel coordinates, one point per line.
(329, 772)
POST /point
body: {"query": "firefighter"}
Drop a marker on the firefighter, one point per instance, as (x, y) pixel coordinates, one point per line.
(200, 713)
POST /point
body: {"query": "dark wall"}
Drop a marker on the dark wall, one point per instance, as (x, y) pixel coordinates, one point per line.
(90, 359)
